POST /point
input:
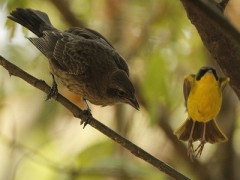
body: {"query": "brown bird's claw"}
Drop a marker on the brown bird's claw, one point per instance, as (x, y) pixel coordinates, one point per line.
(54, 89)
(86, 117)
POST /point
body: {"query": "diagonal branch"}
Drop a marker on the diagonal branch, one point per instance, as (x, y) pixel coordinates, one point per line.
(78, 113)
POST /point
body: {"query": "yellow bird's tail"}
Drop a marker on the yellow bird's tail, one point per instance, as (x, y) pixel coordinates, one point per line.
(194, 130)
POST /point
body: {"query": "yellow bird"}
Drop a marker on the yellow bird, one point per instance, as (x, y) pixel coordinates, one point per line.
(203, 98)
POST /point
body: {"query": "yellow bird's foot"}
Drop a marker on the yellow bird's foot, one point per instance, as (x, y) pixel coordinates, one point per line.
(199, 149)
(195, 153)
(190, 150)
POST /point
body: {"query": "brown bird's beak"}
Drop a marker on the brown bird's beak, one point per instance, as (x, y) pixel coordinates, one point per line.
(134, 103)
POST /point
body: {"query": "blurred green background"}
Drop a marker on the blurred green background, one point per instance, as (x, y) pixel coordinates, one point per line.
(42, 140)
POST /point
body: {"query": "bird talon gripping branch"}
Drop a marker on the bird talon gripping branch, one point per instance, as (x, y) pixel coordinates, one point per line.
(86, 117)
(203, 97)
(54, 89)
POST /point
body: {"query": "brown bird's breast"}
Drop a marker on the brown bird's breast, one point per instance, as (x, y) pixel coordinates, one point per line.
(90, 85)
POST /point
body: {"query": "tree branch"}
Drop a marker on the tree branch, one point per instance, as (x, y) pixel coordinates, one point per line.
(78, 113)
(68, 15)
(220, 38)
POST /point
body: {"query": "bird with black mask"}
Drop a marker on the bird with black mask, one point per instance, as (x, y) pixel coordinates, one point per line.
(203, 98)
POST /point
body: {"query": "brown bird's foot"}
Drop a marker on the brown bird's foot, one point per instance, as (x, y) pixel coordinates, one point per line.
(86, 104)
(54, 89)
(190, 150)
(199, 149)
(86, 117)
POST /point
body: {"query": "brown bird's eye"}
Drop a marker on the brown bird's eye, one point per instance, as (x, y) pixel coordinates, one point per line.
(120, 93)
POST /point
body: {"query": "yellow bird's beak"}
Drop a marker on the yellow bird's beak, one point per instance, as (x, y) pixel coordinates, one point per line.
(208, 77)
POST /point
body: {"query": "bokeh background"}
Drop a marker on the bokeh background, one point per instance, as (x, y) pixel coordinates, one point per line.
(42, 140)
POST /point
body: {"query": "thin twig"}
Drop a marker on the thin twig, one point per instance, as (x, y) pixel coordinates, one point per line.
(77, 112)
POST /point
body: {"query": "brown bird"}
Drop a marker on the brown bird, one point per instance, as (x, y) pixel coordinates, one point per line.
(84, 61)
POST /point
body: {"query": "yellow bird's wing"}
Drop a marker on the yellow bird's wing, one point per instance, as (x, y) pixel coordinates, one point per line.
(223, 82)
(187, 85)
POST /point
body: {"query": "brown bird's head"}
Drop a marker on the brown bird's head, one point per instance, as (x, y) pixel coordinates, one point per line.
(120, 89)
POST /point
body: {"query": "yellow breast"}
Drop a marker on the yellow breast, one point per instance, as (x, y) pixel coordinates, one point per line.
(205, 99)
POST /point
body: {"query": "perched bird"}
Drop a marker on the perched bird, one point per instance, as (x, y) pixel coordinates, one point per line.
(203, 97)
(84, 61)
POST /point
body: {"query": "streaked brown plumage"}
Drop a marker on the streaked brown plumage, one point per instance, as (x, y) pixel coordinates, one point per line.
(85, 62)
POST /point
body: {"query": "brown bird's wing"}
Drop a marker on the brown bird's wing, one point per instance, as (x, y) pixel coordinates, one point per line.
(71, 54)
(89, 34)
(187, 85)
(75, 50)
(223, 82)
(98, 38)
(46, 44)
(60, 49)
(121, 63)
(80, 56)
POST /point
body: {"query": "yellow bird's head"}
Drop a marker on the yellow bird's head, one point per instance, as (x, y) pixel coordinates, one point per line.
(207, 74)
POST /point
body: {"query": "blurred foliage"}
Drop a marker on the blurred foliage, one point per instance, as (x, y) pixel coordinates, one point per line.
(41, 140)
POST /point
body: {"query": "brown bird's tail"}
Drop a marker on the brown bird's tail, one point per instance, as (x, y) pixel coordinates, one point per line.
(213, 133)
(35, 21)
